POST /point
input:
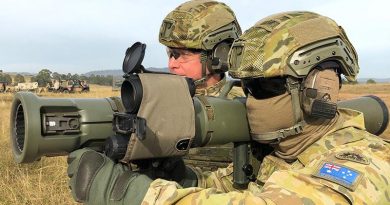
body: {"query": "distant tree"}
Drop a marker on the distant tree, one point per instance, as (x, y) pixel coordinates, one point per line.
(99, 79)
(19, 79)
(5, 78)
(83, 77)
(56, 76)
(69, 76)
(43, 77)
(64, 77)
(371, 81)
(75, 77)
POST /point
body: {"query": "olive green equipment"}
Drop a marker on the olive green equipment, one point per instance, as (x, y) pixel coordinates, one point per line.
(54, 127)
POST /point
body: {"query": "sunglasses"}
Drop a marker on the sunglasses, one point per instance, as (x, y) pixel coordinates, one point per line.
(263, 88)
(179, 52)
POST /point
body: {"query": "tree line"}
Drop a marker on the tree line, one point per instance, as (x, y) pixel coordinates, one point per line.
(4, 77)
(45, 76)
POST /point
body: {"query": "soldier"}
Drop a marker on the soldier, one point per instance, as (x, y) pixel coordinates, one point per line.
(198, 36)
(290, 64)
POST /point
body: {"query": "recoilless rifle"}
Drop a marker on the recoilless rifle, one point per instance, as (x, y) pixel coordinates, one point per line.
(55, 127)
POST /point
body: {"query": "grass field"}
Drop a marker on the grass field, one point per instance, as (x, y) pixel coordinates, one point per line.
(45, 182)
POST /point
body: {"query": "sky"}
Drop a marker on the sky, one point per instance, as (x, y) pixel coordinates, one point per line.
(78, 36)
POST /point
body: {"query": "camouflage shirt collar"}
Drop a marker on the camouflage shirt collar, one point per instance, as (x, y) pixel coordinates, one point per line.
(213, 90)
(352, 118)
(348, 119)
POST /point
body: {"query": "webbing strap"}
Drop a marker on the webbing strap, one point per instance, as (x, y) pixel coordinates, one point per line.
(279, 134)
(209, 109)
(203, 60)
(293, 87)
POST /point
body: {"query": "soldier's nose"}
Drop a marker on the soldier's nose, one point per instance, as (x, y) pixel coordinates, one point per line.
(173, 64)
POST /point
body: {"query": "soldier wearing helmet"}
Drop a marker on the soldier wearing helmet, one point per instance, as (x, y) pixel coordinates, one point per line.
(198, 35)
(290, 65)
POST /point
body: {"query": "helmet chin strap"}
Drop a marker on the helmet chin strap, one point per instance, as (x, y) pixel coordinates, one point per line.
(203, 60)
(200, 82)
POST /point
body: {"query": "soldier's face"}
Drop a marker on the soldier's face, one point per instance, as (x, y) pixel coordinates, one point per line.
(185, 63)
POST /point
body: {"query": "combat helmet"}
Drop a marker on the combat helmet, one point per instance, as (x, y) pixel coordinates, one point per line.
(291, 44)
(204, 25)
(287, 47)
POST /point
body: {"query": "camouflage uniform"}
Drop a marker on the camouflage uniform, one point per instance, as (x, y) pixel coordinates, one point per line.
(212, 158)
(279, 182)
(202, 25)
(216, 89)
(346, 165)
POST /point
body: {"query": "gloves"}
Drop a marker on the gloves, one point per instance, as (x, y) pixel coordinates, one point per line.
(96, 179)
(171, 169)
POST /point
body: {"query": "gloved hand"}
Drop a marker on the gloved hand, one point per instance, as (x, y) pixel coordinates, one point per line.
(171, 169)
(96, 179)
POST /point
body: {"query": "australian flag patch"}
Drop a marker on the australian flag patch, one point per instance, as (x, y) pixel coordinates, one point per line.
(339, 174)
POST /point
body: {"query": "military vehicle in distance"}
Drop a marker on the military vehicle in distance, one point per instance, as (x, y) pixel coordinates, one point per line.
(68, 86)
(3, 87)
(32, 87)
(80, 86)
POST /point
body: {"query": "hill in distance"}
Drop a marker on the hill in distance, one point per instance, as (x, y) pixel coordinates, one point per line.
(378, 80)
(120, 72)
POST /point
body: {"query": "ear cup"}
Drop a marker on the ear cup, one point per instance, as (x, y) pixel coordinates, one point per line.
(219, 57)
(320, 93)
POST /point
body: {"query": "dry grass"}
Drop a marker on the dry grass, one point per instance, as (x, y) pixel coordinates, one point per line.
(45, 182)
(381, 90)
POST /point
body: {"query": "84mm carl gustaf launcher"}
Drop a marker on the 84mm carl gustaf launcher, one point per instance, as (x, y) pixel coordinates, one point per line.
(134, 128)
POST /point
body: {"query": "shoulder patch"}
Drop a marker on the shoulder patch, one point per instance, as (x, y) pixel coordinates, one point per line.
(339, 174)
(353, 156)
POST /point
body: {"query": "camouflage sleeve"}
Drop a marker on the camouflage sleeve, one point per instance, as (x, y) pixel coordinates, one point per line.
(220, 179)
(348, 174)
(235, 92)
(167, 192)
